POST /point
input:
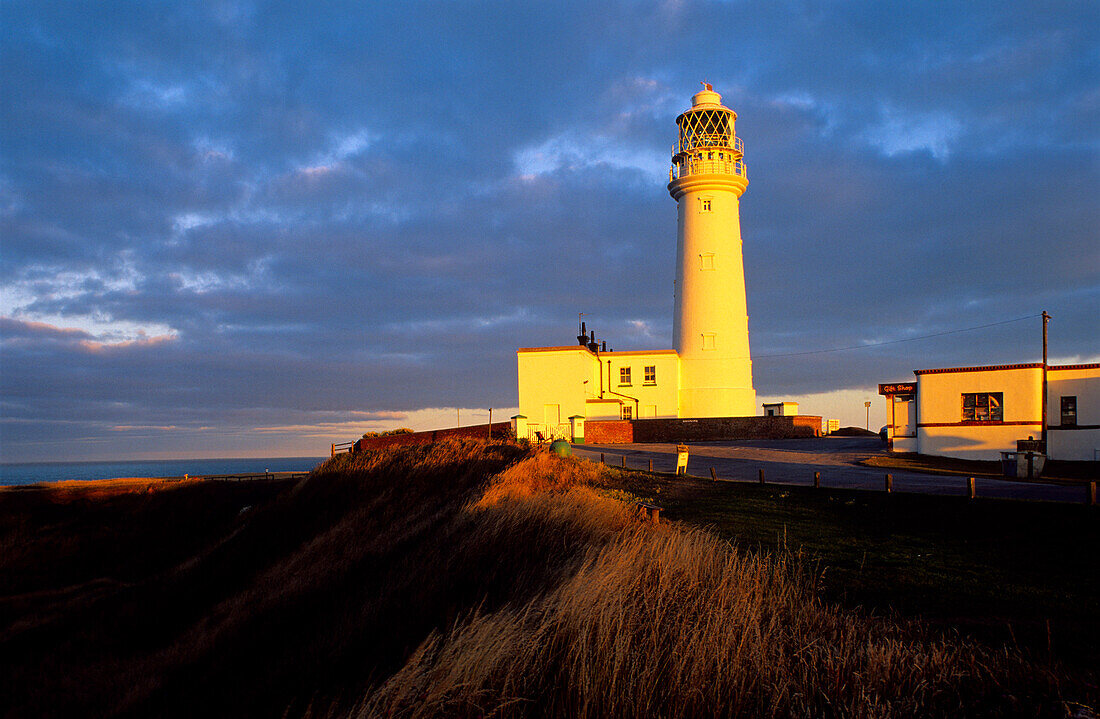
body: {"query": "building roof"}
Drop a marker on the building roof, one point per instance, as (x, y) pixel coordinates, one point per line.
(642, 352)
(986, 368)
(554, 349)
(1090, 365)
(999, 367)
(567, 348)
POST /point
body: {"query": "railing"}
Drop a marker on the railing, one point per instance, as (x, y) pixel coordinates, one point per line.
(251, 476)
(968, 486)
(339, 447)
(693, 166)
(551, 431)
(722, 142)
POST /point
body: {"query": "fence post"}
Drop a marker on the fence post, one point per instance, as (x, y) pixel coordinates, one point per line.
(333, 451)
(971, 488)
(601, 459)
(651, 465)
(817, 480)
(623, 458)
(713, 474)
(889, 483)
(1092, 494)
(761, 476)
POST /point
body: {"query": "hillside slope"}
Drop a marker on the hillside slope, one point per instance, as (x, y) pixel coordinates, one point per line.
(460, 578)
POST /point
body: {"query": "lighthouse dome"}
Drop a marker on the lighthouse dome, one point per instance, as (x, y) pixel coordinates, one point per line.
(706, 99)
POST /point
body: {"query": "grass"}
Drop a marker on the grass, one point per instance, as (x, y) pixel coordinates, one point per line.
(1007, 571)
(1060, 471)
(464, 578)
(675, 622)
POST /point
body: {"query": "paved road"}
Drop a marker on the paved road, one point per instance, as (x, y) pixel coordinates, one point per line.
(794, 461)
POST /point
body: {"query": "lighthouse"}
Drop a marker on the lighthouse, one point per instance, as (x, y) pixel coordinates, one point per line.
(710, 327)
(702, 387)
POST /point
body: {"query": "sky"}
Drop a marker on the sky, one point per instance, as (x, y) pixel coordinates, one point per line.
(245, 229)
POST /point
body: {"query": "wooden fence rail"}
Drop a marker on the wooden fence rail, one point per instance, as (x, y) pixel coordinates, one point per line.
(338, 447)
(969, 488)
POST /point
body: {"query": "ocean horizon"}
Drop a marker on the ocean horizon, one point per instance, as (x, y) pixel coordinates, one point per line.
(23, 473)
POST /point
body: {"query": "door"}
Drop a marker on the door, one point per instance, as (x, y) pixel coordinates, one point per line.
(551, 417)
(905, 419)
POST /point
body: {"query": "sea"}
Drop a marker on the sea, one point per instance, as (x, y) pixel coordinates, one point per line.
(32, 473)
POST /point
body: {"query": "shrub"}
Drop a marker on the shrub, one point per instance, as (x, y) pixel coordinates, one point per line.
(387, 433)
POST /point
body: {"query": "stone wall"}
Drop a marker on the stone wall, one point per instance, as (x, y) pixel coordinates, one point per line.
(702, 429)
(608, 431)
(478, 431)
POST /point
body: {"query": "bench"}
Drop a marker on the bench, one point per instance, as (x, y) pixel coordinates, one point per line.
(651, 511)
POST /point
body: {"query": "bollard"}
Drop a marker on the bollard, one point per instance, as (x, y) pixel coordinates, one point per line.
(1092, 494)
(713, 474)
(651, 465)
(601, 458)
(817, 480)
(623, 462)
(971, 489)
(889, 483)
(761, 476)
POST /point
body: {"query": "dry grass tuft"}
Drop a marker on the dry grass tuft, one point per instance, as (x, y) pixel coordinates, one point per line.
(542, 473)
(672, 622)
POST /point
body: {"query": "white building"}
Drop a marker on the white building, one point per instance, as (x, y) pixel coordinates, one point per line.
(780, 409)
(709, 372)
(979, 412)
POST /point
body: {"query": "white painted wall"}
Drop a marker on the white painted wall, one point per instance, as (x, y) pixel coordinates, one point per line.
(1082, 442)
(566, 381)
(663, 394)
(941, 430)
(564, 377)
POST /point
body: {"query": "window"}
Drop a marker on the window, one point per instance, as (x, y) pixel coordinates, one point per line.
(624, 376)
(708, 340)
(1069, 411)
(704, 205)
(628, 412)
(710, 155)
(706, 261)
(651, 374)
(982, 407)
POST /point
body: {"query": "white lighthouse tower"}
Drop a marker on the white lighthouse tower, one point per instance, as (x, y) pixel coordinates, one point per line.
(565, 389)
(711, 324)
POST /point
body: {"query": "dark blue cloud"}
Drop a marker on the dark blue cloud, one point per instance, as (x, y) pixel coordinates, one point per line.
(261, 215)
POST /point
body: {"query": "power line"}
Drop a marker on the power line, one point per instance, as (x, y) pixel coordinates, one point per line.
(892, 342)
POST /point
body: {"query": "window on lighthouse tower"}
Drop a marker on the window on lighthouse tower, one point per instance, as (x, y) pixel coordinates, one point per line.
(704, 205)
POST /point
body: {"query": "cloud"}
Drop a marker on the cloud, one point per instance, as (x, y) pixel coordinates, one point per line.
(218, 218)
(899, 133)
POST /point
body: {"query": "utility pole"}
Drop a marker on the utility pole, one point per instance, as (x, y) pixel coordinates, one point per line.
(1046, 320)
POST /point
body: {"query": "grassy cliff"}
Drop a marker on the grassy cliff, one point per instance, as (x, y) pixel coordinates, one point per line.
(460, 578)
